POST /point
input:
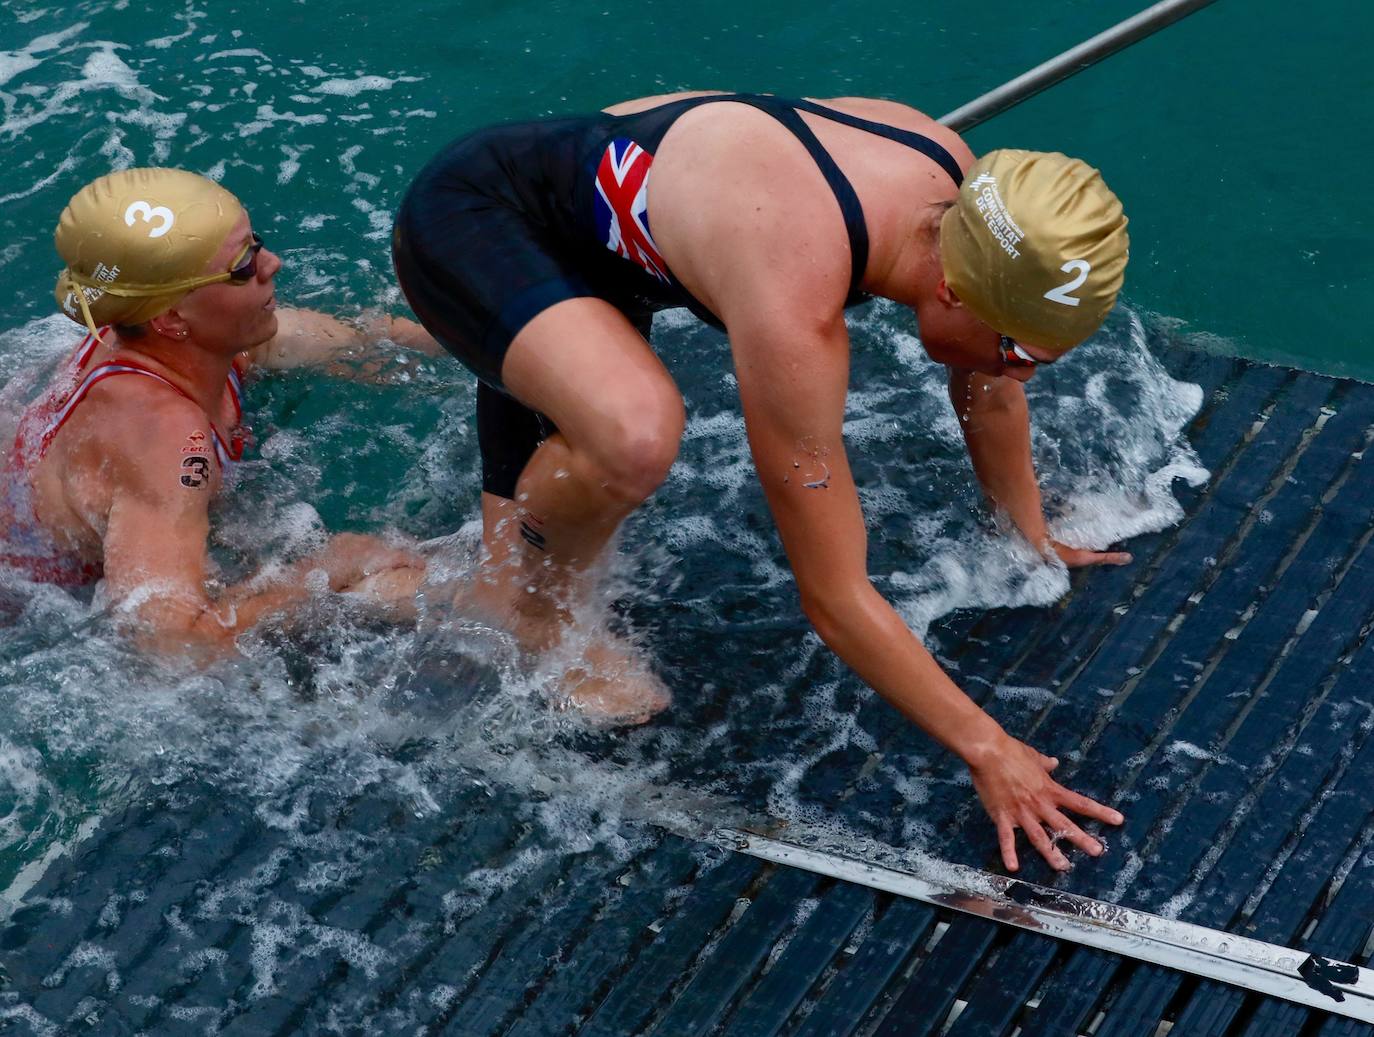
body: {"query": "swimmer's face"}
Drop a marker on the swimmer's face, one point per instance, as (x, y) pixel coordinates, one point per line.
(953, 336)
(232, 317)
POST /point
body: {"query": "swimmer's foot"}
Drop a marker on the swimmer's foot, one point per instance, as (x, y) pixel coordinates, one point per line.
(593, 672)
(610, 684)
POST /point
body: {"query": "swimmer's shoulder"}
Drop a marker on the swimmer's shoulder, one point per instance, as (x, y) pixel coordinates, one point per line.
(126, 441)
(129, 427)
(643, 104)
(903, 117)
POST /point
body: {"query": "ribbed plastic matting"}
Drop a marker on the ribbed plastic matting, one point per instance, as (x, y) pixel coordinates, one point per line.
(1234, 650)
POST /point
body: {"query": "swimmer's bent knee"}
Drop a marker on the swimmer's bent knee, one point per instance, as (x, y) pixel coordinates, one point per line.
(639, 461)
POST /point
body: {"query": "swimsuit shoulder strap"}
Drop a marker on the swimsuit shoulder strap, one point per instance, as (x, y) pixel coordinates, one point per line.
(98, 374)
(86, 349)
(917, 141)
(927, 146)
(234, 383)
(850, 207)
(786, 111)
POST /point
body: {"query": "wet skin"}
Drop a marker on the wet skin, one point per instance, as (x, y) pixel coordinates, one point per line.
(770, 257)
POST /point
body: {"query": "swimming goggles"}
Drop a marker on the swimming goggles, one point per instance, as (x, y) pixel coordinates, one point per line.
(1014, 356)
(245, 266)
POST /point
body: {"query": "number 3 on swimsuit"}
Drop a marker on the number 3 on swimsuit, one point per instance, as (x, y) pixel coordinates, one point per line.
(148, 213)
(1061, 294)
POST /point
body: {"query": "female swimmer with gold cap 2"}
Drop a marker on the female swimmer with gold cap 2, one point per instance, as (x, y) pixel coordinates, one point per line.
(114, 467)
(527, 251)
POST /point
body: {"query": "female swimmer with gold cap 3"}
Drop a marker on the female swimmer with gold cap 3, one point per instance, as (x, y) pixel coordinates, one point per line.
(527, 251)
(114, 467)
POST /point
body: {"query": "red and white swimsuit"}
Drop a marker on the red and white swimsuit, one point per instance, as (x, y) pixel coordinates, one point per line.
(26, 545)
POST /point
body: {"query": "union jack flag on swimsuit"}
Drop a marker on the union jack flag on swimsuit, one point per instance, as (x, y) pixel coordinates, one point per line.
(622, 206)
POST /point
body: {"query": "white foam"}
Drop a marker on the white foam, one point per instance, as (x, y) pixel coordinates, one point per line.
(1031, 696)
(13, 63)
(242, 52)
(287, 925)
(21, 777)
(40, 1024)
(106, 68)
(116, 152)
(86, 955)
(291, 164)
(1179, 748)
(353, 87)
(268, 116)
(981, 573)
(164, 126)
(188, 17)
(103, 69)
(17, 62)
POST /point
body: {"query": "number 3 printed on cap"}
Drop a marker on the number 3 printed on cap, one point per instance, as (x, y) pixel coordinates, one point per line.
(149, 214)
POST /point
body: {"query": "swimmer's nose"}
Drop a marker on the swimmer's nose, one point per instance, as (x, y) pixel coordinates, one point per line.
(272, 264)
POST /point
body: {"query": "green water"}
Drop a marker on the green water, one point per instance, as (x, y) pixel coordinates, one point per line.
(317, 115)
(1236, 138)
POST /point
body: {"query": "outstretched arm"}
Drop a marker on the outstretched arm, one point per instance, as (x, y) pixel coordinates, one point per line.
(308, 338)
(154, 540)
(995, 421)
(792, 380)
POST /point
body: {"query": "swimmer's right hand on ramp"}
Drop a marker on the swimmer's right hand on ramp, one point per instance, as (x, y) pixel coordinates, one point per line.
(1014, 783)
(1012, 779)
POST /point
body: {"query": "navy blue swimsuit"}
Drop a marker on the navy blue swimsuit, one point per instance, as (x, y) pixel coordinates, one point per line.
(506, 222)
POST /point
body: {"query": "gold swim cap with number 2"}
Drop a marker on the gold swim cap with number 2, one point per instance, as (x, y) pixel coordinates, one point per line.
(136, 241)
(1036, 247)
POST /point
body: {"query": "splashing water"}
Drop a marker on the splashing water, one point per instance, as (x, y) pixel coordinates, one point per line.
(443, 720)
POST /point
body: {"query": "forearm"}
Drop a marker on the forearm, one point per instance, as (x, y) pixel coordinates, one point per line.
(244, 605)
(868, 634)
(306, 338)
(182, 620)
(409, 334)
(995, 421)
(179, 615)
(358, 564)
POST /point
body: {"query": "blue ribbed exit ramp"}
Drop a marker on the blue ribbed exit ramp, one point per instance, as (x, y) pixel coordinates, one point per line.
(1220, 690)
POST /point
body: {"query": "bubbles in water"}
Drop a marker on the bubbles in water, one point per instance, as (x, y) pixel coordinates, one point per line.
(447, 718)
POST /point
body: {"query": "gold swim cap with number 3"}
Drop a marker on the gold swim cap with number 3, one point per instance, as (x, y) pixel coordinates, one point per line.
(1035, 246)
(136, 241)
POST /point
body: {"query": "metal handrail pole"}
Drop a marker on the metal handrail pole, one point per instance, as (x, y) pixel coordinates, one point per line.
(1071, 62)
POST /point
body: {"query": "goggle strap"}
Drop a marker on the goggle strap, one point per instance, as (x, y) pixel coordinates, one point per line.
(130, 290)
(85, 308)
(141, 291)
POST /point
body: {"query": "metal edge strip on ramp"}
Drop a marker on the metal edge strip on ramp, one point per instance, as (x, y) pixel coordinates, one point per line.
(1264, 968)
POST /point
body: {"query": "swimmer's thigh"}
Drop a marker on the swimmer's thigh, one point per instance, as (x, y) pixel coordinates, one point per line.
(475, 272)
(582, 363)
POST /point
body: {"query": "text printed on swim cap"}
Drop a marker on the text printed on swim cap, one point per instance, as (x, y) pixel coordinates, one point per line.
(994, 212)
(148, 214)
(103, 274)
